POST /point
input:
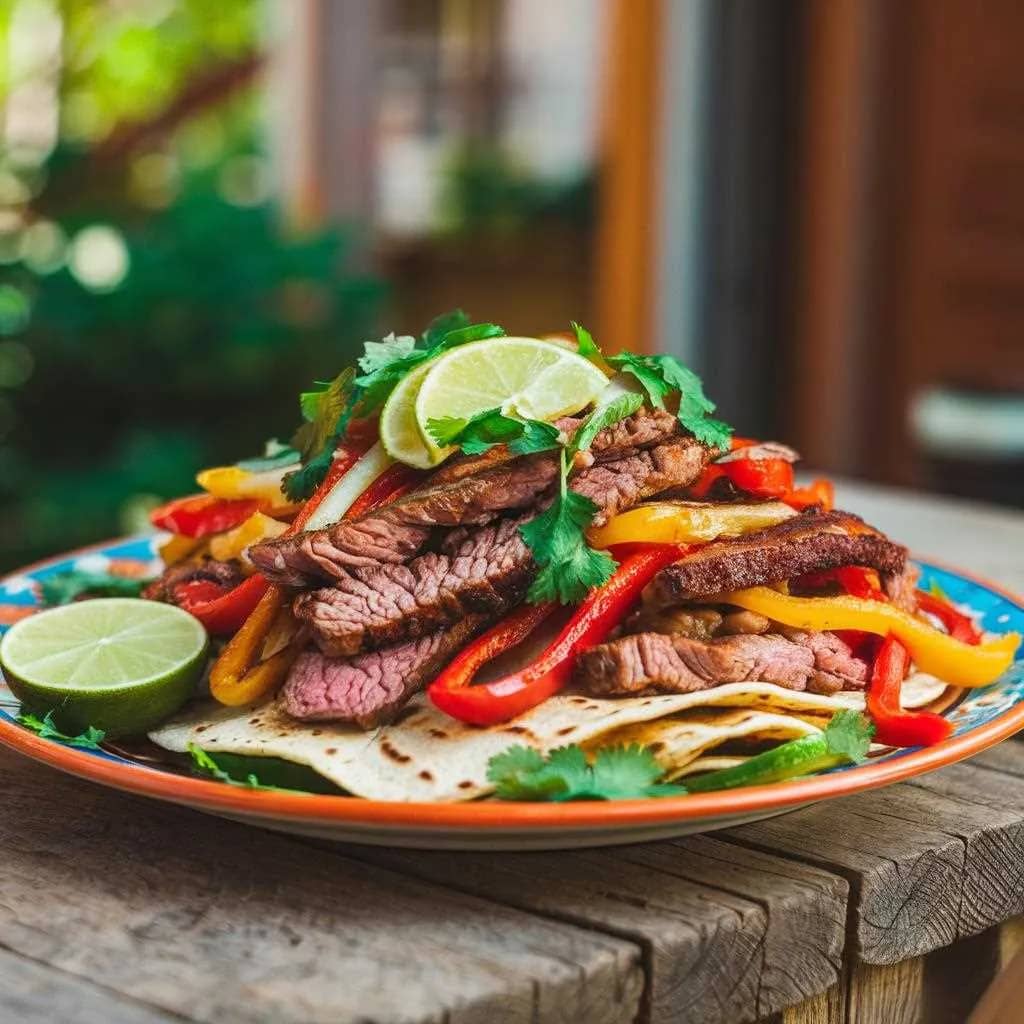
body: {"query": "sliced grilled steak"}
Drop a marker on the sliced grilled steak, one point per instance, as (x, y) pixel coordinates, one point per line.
(671, 663)
(370, 688)
(812, 542)
(468, 492)
(482, 570)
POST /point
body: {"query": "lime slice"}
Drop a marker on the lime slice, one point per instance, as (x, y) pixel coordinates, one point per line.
(398, 430)
(119, 664)
(525, 377)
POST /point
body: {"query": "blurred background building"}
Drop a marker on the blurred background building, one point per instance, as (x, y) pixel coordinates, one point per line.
(818, 204)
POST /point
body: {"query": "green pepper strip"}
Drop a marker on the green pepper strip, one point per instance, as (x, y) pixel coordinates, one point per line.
(846, 739)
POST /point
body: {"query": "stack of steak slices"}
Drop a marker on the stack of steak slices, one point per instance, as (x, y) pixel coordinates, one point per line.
(389, 598)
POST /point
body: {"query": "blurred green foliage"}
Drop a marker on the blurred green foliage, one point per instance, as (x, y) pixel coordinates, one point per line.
(155, 315)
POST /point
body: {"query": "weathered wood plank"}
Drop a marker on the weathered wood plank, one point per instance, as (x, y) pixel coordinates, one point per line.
(729, 934)
(886, 992)
(218, 922)
(32, 993)
(905, 881)
(829, 1007)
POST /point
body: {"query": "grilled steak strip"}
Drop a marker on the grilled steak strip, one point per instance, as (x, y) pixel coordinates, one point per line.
(811, 542)
(672, 663)
(482, 570)
(370, 688)
(467, 492)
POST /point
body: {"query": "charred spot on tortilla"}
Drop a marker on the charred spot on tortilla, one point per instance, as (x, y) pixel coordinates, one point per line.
(331, 750)
(393, 753)
(426, 776)
(438, 734)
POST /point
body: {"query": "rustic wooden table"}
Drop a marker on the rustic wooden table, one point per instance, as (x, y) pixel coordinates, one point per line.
(889, 907)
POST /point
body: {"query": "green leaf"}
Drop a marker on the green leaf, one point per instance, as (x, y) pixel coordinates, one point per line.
(327, 411)
(569, 567)
(848, 735)
(380, 354)
(536, 436)
(617, 773)
(481, 432)
(585, 344)
(65, 587)
(622, 772)
(206, 765)
(660, 376)
(603, 417)
(471, 332)
(442, 325)
(88, 740)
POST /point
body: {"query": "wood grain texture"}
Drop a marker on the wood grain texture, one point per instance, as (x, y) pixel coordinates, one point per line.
(889, 993)
(32, 993)
(217, 922)
(729, 934)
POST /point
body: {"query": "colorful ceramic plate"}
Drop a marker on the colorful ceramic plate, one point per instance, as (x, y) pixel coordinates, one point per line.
(982, 718)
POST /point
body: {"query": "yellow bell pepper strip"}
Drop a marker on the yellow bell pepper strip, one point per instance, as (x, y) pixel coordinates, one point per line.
(178, 547)
(687, 522)
(257, 527)
(237, 676)
(233, 482)
(933, 652)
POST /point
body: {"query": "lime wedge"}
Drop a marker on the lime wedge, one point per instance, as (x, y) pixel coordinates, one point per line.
(525, 377)
(119, 664)
(398, 430)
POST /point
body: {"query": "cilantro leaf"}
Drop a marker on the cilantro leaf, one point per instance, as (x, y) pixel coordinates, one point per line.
(848, 735)
(605, 416)
(617, 773)
(569, 567)
(326, 410)
(661, 375)
(379, 354)
(442, 325)
(65, 587)
(536, 436)
(471, 332)
(206, 765)
(88, 740)
(585, 344)
(482, 431)
(479, 433)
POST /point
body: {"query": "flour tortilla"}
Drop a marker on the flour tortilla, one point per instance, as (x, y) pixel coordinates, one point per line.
(679, 740)
(426, 756)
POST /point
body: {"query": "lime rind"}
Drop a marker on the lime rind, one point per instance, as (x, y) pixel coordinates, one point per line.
(399, 431)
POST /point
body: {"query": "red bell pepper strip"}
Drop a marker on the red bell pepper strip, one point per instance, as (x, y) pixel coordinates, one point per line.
(602, 610)
(894, 726)
(855, 580)
(762, 478)
(958, 625)
(199, 515)
(395, 481)
(220, 611)
(818, 492)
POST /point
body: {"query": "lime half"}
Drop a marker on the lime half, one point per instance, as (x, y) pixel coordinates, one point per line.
(399, 432)
(521, 376)
(119, 664)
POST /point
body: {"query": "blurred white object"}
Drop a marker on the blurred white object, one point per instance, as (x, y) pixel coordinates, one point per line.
(961, 423)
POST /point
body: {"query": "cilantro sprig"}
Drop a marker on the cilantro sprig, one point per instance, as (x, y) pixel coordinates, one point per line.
(627, 772)
(47, 730)
(480, 433)
(616, 773)
(661, 375)
(65, 587)
(329, 408)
